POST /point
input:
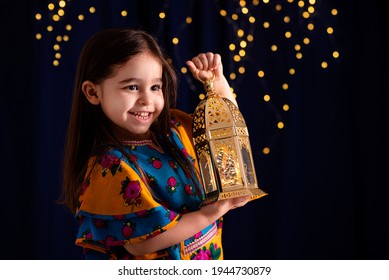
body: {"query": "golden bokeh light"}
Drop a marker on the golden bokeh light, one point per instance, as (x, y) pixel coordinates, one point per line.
(247, 49)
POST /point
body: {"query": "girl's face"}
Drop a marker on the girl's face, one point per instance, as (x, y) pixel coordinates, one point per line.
(132, 98)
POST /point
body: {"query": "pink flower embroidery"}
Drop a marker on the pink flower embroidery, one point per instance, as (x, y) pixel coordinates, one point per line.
(88, 235)
(144, 213)
(131, 193)
(99, 223)
(155, 162)
(173, 165)
(171, 185)
(185, 152)
(188, 189)
(119, 217)
(203, 255)
(213, 253)
(127, 229)
(107, 161)
(172, 182)
(109, 241)
(132, 190)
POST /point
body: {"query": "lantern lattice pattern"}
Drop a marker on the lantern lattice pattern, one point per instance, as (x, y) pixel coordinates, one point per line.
(223, 151)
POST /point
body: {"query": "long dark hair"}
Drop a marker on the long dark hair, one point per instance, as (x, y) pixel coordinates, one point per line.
(88, 127)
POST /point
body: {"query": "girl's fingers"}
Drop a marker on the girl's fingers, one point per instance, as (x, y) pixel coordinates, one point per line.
(198, 62)
(191, 66)
(201, 65)
(206, 61)
(240, 201)
(216, 60)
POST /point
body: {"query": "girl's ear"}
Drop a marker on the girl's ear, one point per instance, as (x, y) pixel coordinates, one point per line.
(90, 91)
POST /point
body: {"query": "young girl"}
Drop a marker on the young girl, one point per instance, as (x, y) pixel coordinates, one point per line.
(130, 172)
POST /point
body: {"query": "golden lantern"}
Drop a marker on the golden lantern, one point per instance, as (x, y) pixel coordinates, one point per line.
(223, 151)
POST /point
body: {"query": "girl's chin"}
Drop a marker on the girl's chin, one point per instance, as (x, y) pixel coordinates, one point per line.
(143, 134)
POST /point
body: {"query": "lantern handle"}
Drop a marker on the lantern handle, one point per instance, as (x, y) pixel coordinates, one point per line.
(208, 83)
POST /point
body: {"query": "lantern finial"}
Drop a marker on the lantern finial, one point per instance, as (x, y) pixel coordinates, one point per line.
(208, 83)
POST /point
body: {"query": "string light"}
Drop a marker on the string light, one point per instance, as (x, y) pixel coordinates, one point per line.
(244, 20)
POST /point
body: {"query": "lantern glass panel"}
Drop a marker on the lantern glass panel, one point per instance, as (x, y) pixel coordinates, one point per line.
(227, 163)
(207, 173)
(248, 167)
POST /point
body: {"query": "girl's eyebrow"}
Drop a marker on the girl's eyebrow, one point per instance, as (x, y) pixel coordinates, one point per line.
(130, 80)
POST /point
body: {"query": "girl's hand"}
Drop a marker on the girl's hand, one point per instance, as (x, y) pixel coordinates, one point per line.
(217, 209)
(236, 202)
(204, 66)
(239, 201)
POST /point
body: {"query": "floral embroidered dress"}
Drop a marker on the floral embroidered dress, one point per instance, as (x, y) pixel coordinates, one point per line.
(116, 208)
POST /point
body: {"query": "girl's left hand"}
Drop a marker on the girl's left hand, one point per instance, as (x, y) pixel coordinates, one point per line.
(204, 66)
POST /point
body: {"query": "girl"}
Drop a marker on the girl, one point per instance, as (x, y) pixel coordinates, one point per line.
(130, 173)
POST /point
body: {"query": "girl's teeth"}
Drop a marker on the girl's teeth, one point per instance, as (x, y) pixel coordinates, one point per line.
(141, 115)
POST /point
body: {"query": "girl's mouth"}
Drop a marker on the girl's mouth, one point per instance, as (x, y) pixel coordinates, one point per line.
(141, 115)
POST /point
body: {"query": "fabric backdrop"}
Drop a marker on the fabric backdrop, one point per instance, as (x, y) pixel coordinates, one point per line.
(326, 172)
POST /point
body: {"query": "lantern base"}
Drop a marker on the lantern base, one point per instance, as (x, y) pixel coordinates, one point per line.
(214, 196)
(241, 192)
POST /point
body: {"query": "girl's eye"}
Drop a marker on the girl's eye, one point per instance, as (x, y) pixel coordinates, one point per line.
(155, 87)
(132, 87)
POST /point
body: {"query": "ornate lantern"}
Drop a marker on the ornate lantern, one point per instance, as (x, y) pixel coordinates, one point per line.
(223, 151)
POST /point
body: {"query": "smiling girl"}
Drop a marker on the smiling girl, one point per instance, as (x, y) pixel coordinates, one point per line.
(130, 170)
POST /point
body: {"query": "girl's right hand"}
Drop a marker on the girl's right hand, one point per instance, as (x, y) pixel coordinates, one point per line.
(217, 209)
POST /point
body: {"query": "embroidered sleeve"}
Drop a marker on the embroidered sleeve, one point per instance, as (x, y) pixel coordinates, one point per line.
(116, 207)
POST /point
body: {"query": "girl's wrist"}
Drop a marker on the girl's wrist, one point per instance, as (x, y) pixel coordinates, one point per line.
(215, 210)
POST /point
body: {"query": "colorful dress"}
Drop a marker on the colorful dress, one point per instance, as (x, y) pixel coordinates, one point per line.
(116, 208)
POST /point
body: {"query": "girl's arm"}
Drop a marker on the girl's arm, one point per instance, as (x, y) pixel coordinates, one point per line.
(202, 66)
(190, 224)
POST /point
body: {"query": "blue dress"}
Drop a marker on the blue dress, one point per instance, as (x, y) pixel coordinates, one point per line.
(117, 208)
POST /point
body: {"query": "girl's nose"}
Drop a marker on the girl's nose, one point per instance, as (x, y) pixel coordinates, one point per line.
(146, 97)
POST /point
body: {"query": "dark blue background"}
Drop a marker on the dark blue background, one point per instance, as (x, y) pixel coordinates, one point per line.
(326, 174)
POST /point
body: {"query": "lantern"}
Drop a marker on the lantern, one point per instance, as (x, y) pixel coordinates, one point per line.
(223, 151)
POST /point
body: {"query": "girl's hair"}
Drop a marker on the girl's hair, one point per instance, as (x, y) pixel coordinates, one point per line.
(88, 127)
